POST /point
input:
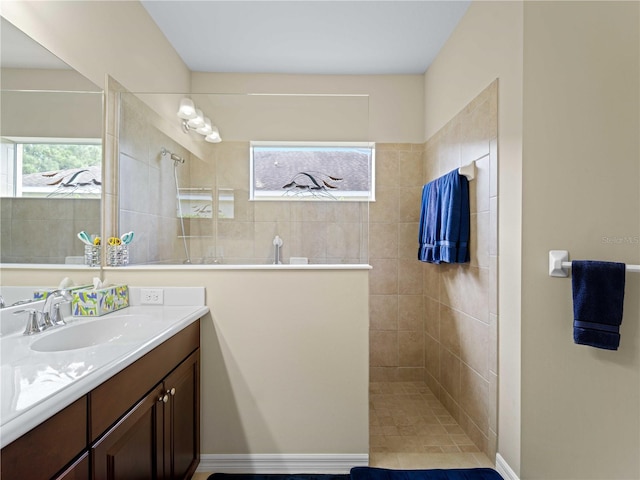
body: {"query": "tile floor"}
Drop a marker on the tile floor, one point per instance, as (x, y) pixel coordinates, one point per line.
(410, 429)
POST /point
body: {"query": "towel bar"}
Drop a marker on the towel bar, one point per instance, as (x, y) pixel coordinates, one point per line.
(468, 171)
(559, 264)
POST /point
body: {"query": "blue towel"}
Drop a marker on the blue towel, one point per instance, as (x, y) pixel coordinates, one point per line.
(444, 220)
(598, 297)
(373, 473)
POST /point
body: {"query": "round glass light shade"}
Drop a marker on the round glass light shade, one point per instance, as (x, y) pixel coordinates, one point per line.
(214, 136)
(198, 120)
(187, 109)
(206, 128)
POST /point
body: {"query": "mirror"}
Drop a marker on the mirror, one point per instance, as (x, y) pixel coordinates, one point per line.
(198, 209)
(50, 154)
(13, 296)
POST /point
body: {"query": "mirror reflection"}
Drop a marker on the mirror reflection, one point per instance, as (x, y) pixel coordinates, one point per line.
(50, 154)
(189, 200)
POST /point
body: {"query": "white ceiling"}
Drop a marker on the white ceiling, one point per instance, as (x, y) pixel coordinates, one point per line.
(307, 37)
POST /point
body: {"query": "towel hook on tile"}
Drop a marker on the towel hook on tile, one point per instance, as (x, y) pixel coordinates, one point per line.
(559, 264)
(468, 171)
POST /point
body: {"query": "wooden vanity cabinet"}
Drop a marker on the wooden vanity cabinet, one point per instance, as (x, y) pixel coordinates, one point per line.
(112, 399)
(182, 420)
(43, 451)
(143, 423)
(131, 449)
(159, 437)
(79, 470)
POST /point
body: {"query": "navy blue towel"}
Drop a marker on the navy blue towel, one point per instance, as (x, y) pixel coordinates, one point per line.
(598, 297)
(444, 220)
(372, 473)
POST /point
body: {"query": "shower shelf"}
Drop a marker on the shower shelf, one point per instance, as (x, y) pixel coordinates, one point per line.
(196, 203)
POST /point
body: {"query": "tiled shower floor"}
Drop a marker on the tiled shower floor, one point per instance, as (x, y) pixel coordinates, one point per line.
(410, 429)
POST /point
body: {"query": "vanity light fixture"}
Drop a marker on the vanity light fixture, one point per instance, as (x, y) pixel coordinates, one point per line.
(194, 119)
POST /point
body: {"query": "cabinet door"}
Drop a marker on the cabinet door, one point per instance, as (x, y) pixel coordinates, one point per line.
(182, 419)
(132, 449)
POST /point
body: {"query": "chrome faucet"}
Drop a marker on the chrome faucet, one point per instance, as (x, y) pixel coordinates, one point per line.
(277, 245)
(53, 317)
(38, 321)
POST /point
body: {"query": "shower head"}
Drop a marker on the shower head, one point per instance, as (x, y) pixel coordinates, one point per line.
(173, 156)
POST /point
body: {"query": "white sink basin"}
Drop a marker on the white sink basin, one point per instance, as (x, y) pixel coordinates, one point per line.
(113, 330)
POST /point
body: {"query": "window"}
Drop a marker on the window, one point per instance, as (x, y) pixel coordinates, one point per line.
(312, 171)
(65, 168)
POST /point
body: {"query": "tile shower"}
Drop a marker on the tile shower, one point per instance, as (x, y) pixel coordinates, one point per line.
(435, 325)
(438, 323)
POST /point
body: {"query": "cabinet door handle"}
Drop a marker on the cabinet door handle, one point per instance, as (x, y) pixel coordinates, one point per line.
(172, 391)
(163, 398)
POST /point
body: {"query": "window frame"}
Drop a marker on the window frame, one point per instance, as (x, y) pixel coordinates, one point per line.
(342, 196)
(18, 143)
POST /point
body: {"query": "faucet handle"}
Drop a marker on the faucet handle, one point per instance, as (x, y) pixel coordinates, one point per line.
(33, 325)
(56, 315)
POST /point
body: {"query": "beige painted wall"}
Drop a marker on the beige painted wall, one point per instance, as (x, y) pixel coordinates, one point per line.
(52, 114)
(284, 353)
(581, 171)
(41, 79)
(57, 109)
(395, 106)
(487, 44)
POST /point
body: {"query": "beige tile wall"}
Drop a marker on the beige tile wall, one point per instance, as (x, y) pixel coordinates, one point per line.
(438, 323)
(324, 232)
(396, 301)
(460, 314)
(43, 230)
(147, 192)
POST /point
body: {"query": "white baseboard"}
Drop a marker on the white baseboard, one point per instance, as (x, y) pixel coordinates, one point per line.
(282, 463)
(503, 468)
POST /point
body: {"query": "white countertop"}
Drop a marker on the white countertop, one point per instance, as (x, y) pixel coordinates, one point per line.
(36, 385)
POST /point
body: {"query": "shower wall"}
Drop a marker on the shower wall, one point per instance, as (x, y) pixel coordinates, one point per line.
(438, 323)
(43, 230)
(323, 231)
(147, 191)
(396, 301)
(460, 301)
